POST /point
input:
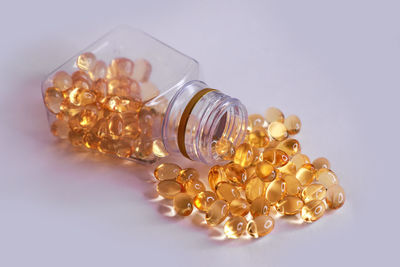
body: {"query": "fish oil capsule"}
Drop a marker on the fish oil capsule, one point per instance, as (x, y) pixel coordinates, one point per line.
(100, 88)
(254, 188)
(239, 207)
(91, 140)
(306, 174)
(100, 129)
(288, 169)
(326, 177)
(80, 75)
(86, 61)
(76, 137)
(81, 83)
(169, 188)
(251, 172)
(115, 126)
(299, 160)
(159, 149)
(183, 204)
(292, 124)
(321, 162)
(60, 128)
(130, 124)
(149, 91)
(111, 103)
(62, 80)
(217, 212)
(194, 187)
(313, 210)
(121, 67)
(275, 191)
(236, 174)
(224, 148)
(244, 155)
(256, 120)
(142, 70)
(203, 200)
(259, 206)
(99, 70)
(227, 191)
(107, 145)
(216, 175)
(293, 186)
(290, 147)
(123, 147)
(313, 192)
(235, 227)
(260, 226)
(277, 131)
(187, 174)
(273, 114)
(335, 196)
(289, 205)
(53, 97)
(276, 157)
(81, 96)
(167, 171)
(143, 148)
(258, 137)
(265, 171)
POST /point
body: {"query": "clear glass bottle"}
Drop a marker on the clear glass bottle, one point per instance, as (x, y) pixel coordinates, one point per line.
(128, 79)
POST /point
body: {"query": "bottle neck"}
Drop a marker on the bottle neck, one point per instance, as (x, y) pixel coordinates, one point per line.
(198, 116)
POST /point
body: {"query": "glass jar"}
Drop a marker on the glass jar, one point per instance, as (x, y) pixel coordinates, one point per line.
(134, 97)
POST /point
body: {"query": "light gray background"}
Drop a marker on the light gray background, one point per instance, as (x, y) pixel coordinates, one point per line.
(333, 63)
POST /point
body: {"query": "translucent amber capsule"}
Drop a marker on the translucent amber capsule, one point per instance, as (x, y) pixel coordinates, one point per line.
(274, 115)
(293, 186)
(123, 147)
(100, 129)
(60, 128)
(313, 210)
(99, 70)
(129, 104)
(111, 102)
(254, 188)
(216, 175)
(183, 204)
(188, 174)
(259, 206)
(81, 97)
(149, 91)
(143, 148)
(277, 131)
(217, 212)
(292, 124)
(203, 200)
(290, 147)
(227, 191)
(194, 187)
(256, 120)
(258, 137)
(236, 174)
(275, 191)
(288, 169)
(130, 125)
(100, 88)
(169, 188)
(299, 160)
(115, 126)
(159, 149)
(313, 192)
(80, 74)
(251, 172)
(91, 140)
(235, 227)
(306, 174)
(326, 177)
(260, 226)
(53, 98)
(87, 118)
(289, 205)
(265, 171)
(122, 67)
(276, 157)
(224, 148)
(62, 80)
(244, 155)
(86, 61)
(239, 207)
(321, 162)
(81, 83)
(107, 145)
(142, 70)
(167, 171)
(76, 137)
(335, 196)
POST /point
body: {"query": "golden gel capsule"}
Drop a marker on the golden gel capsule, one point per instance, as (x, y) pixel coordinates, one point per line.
(76, 137)
(290, 147)
(82, 97)
(276, 157)
(86, 61)
(260, 226)
(273, 114)
(60, 129)
(321, 162)
(169, 188)
(236, 174)
(293, 186)
(216, 175)
(187, 174)
(53, 97)
(91, 140)
(265, 171)
(289, 205)
(255, 188)
(335, 196)
(259, 206)
(239, 207)
(313, 210)
(99, 70)
(306, 174)
(244, 155)
(183, 204)
(225, 149)
(115, 125)
(299, 160)
(142, 70)
(235, 227)
(107, 146)
(251, 172)
(123, 147)
(217, 212)
(288, 169)
(159, 149)
(292, 124)
(167, 171)
(227, 191)
(258, 137)
(203, 200)
(121, 67)
(256, 120)
(194, 187)
(275, 191)
(277, 131)
(313, 192)
(62, 80)
(326, 177)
